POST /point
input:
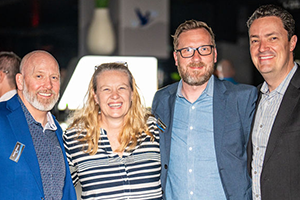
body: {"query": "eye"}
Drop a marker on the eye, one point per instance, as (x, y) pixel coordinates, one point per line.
(273, 38)
(122, 88)
(254, 41)
(105, 89)
(189, 49)
(38, 76)
(55, 77)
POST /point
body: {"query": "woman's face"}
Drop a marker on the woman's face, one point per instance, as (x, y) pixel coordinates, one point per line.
(113, 95)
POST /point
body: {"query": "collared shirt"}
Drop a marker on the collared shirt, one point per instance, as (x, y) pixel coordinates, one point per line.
(264, 119)
(106, 175)
(49, 155)
(8, 95)
(193, 172)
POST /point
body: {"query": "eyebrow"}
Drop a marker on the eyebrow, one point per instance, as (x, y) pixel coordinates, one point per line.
(266, 35)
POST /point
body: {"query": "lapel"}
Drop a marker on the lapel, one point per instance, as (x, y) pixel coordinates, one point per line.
(168, 116)
(21, 132)
(290, 100)
(219, 113)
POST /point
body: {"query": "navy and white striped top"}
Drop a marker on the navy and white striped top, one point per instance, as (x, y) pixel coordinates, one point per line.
(105, 175)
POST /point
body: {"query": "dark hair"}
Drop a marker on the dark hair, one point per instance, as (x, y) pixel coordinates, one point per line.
(10, 63)
(273, 10)
(190, 25)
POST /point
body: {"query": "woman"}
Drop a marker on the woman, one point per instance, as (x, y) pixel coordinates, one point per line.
(112, 143)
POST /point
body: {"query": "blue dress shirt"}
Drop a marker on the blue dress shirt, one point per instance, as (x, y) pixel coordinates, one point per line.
(193, 171)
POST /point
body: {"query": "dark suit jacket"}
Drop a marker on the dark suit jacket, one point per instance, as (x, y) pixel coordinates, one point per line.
(280, 177)
(233, 109)
(22, 179)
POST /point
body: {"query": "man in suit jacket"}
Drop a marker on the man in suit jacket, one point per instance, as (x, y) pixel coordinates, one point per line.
(274, 145)
(33, 160)
(207, 124)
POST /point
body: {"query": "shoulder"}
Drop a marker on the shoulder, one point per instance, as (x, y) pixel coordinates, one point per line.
(165, 90)
(236, 87)
(74, 133)
(152, 126)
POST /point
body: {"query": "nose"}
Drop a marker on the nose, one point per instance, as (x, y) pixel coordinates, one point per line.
(115, 94)
(196, 55)
(263, 46)
(48, 83)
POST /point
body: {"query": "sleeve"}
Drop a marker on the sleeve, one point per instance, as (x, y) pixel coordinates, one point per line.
(249, 109)
(68, 143)
(153, 128)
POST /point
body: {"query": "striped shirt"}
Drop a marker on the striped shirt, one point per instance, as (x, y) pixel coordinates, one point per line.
(264, 119)
(105, 175)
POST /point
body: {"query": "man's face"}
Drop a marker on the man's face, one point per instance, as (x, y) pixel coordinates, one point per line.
(41, 82)
(271, 52)
(197, 69)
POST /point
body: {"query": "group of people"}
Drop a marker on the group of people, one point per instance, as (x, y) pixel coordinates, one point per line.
(204, 138)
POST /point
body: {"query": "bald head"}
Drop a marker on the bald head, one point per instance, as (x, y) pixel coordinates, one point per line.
(36, 56)
(39, 81)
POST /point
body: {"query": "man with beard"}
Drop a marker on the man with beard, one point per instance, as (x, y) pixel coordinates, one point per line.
(205, 123)
(33, 160)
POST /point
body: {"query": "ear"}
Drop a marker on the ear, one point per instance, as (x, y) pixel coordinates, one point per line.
(95, 98)
(293, 42)
(175, 58)
(1, 76)
(216, 55)
(20, 81)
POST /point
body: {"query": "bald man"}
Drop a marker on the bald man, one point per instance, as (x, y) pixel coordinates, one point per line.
(33, 160)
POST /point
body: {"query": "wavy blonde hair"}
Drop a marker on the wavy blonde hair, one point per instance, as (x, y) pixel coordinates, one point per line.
(88, 119)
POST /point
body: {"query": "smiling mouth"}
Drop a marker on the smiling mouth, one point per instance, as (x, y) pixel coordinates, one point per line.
(115, 105)
(45, 94)
(265, 57)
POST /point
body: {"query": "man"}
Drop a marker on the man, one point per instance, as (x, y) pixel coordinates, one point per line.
(203, 147)
(9, 67)
(274, 145)
(225, 71)
(33, 160)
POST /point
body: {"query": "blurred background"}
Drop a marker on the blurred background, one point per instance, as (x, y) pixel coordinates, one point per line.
(140, 28)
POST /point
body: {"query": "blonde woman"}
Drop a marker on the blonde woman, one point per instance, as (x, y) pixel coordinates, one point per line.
(112, 143)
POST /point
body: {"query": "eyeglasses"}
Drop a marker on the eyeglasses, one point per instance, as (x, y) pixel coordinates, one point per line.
(188, 52)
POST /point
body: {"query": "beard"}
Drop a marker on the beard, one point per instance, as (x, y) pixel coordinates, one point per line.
(196, 77)
(42, 105)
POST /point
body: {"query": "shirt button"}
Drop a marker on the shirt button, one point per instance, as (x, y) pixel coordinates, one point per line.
(261, 126)
(191, 148)
(257, 148)
(191, 128)
(190, 170)
(255, 172)
(193, 107)
(191, 192)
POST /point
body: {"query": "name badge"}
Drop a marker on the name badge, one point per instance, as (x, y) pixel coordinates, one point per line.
(16, 154)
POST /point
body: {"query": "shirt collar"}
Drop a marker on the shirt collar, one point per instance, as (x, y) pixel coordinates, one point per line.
(50, 125)
(208, 90)
(283, 85)
(8, 95)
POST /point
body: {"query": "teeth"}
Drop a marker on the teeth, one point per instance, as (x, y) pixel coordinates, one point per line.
(115, 105)
(266, 57)
(45, 94)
